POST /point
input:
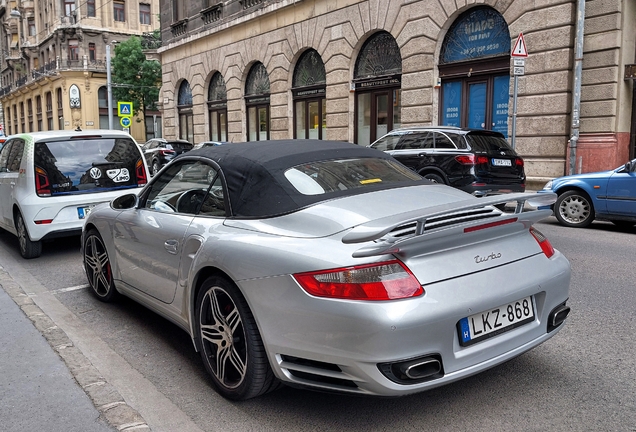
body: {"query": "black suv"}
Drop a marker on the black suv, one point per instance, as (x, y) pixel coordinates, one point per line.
(480, 162)
(159, 152)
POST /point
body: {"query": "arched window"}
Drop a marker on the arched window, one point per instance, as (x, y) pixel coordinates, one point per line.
(184, 106)
(377, 82)
(49, 111)
(217, 108)
(309, 87)
(474, 67)
(257, 103)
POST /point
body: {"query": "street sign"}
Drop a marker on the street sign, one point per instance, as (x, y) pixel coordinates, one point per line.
(125, 122)
(520, 49)
(124, 109)
(521, 61)
(518, 70)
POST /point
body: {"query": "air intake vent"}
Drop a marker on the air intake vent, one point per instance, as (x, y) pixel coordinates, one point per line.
(448, 219)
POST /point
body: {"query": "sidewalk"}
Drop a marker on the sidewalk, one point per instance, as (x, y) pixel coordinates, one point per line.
(37, 392)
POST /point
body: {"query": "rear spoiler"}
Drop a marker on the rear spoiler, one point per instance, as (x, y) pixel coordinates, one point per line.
(378, 228)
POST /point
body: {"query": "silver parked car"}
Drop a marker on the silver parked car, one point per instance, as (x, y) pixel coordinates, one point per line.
(330, 266)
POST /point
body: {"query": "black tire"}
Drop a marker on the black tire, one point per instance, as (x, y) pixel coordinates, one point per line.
(155, 167)
(435, 178)
(28, 249)
(97, 267)
(574, 209)
(230, 343)
(623, 224)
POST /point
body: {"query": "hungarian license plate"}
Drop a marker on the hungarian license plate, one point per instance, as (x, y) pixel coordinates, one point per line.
(501, 162)
(82, 212)
(495, 321)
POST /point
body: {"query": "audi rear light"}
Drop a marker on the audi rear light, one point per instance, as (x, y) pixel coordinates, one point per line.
(543, 241)
(42, 183)
(471, 159)
(389, 280)
(141, 173)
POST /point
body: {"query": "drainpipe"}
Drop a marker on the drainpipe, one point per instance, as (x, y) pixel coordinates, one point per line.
(576, 84)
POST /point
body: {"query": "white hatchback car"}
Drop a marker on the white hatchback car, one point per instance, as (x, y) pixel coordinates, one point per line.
(50, 181)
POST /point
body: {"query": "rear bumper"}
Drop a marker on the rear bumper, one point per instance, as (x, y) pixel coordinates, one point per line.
(343, 352)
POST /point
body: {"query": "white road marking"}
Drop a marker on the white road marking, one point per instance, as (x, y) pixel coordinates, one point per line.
(69, 289)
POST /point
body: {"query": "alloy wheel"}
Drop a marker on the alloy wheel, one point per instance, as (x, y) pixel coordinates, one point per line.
(223, 337)
(97, 267)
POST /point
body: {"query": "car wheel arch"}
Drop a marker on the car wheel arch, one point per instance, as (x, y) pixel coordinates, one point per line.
(435, 171)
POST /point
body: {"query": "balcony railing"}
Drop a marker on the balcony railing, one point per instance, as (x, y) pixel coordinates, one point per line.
(52, 68)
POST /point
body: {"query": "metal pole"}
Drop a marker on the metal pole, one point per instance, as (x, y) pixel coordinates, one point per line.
(110, 88)
(576, 85)
(514, 111)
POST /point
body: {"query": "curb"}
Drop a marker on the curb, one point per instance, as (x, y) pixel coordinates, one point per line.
(109, 403)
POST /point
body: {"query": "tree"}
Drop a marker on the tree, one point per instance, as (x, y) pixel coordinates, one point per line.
(135, 79)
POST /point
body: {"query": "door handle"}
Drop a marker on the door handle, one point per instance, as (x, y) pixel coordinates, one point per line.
(171, 246)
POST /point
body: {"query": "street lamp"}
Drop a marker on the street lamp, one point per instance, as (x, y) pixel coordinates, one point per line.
(109, 86)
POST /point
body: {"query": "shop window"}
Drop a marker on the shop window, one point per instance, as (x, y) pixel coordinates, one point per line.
(377, 82)
(184, 107)
(217, 108)
(257, 93)
(309, 88)
(474, 68)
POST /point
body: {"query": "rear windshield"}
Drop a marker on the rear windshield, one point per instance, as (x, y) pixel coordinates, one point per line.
(87, 165)
(489, 144)
(338, 175)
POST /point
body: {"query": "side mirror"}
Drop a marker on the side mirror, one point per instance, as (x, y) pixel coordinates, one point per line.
(125, 202)
(628, 167)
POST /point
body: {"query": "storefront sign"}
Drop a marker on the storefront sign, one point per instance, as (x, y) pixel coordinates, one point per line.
(392, 81)
(480, 33)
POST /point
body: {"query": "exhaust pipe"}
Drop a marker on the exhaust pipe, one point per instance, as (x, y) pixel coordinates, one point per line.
(415, 370)
(421, 368)
(557, 316)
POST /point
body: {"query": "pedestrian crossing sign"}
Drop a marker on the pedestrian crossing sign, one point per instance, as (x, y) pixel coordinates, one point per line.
(124, 109)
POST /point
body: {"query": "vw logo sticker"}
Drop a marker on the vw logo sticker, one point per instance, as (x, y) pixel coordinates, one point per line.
(95, 173)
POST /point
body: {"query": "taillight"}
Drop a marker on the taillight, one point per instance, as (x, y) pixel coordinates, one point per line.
(519, 162)
(141, 173)
(382, 281)
(471, 159)
(166, 152)
(42, 183)
(543, 241)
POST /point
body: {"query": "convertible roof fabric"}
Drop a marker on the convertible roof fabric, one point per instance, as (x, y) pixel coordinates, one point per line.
(254, 173)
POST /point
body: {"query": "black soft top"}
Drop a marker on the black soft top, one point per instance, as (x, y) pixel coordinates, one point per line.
(255, 172)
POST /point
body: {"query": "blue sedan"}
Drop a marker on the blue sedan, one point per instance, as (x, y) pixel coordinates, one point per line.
(608, 195)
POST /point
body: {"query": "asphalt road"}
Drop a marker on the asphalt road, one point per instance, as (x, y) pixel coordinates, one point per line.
(583, 379)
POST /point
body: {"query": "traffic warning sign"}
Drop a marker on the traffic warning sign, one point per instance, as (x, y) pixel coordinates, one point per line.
(520, 49)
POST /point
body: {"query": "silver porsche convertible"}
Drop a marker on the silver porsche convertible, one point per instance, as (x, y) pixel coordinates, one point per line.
(329, 266)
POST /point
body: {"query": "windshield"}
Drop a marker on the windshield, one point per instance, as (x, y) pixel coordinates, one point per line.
(87, 165)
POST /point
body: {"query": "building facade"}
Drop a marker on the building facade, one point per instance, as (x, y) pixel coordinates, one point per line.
(243, 70)
(53, 68)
